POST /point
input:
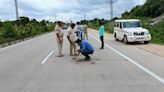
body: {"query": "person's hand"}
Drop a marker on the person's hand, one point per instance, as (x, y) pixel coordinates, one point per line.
(74, 58)
(60, 41)
(77, 50)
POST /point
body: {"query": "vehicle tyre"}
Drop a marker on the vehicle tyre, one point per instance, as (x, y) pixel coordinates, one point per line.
(125, 39)
(115, 36)
(146, 42)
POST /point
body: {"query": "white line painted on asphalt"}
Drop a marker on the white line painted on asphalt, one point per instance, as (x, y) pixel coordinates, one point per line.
(14, 45)
(46, 58)
(21, 42)
(155, 76)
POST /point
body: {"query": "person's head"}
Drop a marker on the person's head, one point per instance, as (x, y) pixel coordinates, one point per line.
(101, 23)
(72, 25)
(59, 23)
(78, 41)
(78, 23)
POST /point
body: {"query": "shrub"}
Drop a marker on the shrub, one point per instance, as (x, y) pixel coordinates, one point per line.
(8, 30)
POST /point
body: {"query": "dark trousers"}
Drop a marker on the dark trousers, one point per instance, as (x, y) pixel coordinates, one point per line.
(102, 41)
(86, 54)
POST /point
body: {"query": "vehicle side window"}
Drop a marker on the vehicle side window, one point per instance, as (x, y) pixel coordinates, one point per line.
(117, 24)
(120, 25)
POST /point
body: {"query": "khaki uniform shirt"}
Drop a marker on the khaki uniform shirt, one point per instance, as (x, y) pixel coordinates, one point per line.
(59, 31)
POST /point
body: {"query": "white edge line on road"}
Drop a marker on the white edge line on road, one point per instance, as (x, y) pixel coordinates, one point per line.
(20, 43)
(10, 46)
(46, 58)
(155, 76)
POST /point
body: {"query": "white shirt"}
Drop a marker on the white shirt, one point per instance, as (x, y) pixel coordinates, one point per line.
(71, 34)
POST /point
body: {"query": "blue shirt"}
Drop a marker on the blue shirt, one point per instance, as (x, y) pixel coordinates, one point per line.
(101, 30)
(85, 46)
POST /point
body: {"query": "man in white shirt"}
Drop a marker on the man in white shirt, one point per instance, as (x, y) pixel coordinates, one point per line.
(79, 31)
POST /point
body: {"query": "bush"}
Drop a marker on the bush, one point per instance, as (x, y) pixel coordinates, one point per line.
(9, 30)
(14, 30)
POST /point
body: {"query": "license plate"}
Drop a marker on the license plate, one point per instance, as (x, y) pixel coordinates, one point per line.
(140, 38)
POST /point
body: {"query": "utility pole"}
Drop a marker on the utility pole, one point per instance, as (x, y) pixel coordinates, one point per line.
(111, 9)
(55, 17)
(16, 9)
(85, 16)
(97, 20)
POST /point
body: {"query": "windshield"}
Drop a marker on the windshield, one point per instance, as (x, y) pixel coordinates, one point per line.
(132, 24)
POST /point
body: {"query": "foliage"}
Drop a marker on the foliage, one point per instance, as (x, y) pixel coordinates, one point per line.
(14, 30)
(95, 24)
(157, 32)
(8, 30)
(152, 8)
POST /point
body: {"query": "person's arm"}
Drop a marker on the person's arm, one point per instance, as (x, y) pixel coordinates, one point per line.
(100, 31)
(68, 39)
(68, 34)
(57, 34)
(103, 30)
(77, 53)
(83, 47)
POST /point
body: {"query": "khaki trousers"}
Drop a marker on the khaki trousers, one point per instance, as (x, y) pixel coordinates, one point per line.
(72, 48)
(60, 45)
(86, 35)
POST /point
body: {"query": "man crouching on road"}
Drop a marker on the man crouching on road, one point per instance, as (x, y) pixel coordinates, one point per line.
(85, 49)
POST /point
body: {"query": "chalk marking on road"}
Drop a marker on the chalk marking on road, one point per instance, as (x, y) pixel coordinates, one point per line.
(46, 58)
(155, 76)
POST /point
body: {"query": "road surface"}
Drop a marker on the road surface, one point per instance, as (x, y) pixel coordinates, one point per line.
(33, 66)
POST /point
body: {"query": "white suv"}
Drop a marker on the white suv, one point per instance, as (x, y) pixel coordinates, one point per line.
(130, 30)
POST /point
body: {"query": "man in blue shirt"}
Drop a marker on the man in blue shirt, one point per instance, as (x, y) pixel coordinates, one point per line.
(85, 49)
(101, 34)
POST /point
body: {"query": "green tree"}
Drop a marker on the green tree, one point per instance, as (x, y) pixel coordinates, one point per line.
(9, 30)
(24, 20)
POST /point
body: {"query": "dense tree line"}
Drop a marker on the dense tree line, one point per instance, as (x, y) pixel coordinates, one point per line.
(25, 27)
(152, 8)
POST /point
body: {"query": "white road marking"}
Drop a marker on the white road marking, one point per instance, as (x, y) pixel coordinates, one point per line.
(14, 45)
(21, 42)
(155, 76)
(46, 58)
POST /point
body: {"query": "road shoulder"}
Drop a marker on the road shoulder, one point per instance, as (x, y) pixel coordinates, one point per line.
(152, 48)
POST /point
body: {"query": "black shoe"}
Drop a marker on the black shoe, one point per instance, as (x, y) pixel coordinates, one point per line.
(88, 59)
(101, 48)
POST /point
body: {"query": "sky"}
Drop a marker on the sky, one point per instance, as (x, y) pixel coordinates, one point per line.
(65, 10)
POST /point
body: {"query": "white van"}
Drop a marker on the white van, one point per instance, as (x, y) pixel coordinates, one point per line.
(130, 30)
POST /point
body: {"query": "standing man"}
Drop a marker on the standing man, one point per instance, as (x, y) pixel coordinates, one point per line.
(79, 30)
(85, 49)
(59, 38)
(72, 38)
(85, 27)
(101, 34)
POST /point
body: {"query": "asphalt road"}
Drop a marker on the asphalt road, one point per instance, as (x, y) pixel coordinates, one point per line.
(33, 66)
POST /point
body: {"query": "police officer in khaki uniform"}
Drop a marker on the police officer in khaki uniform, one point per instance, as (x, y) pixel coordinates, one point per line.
(71, 35)
(59, 38)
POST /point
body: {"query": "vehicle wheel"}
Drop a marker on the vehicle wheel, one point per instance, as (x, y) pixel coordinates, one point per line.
(115, 36)
(146, 42)
(125, 39)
